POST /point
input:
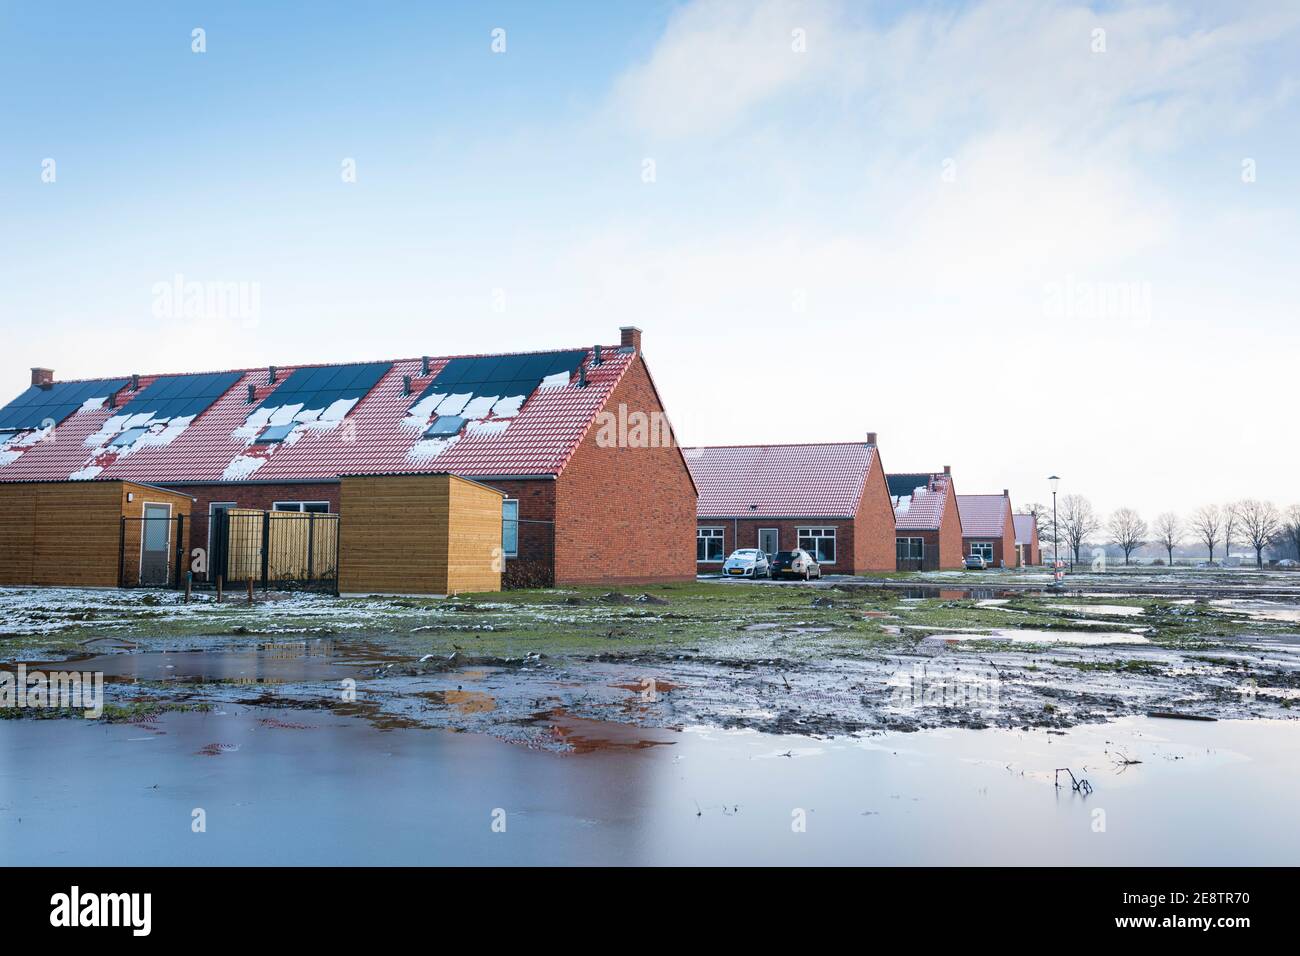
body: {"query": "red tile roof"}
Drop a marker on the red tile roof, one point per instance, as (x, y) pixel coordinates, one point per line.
(779, 481)
(924, 511)
(983, 516)
(371, 439)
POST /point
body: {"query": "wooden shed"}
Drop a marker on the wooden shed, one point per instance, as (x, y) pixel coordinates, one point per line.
(419, 534)
(91, 533)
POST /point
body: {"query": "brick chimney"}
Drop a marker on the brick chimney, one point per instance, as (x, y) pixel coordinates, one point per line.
(871, 438)
(630, 340)
(1006, 493)
(44, 377)
(947, 469)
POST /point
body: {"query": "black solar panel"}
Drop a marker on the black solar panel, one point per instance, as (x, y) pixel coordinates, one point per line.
(178, 396)
(321, 387)
(501, 375)
(37, 405)
(904, 485)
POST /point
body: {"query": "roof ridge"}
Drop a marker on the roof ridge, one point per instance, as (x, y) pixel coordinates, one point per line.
(802, 444)
(392, 361)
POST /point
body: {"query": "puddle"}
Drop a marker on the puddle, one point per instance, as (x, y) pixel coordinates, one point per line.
(1031, 636)
(1261, 610)
(1203, 794)
(1107, 610)
(293, 662)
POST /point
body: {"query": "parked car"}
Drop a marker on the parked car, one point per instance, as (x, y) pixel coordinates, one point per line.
(795, 564)
(976, 562)
(747, 563)
(1288, 563)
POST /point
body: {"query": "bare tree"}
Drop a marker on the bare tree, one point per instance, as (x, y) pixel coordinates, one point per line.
(1207, 525)
(1169, 533)
(1128, 530)
(1078, 521)
(1231, 519)
(1289, 534)
(1261, 522)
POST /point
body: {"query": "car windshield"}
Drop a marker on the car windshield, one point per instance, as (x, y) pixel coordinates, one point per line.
(744, 553)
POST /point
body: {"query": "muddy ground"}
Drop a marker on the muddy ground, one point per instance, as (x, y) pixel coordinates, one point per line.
(845, 657)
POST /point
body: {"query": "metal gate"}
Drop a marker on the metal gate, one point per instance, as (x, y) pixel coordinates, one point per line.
(280, 549)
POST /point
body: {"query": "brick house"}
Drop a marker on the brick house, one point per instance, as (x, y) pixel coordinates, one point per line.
(987, 528)
(829, 499)
(926, 521)
(597, 490)
(1027, 544)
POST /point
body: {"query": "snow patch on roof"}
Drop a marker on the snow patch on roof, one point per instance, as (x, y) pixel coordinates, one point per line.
(558, 380)
(85, 474)
(241, 466)
(429, 448)
(93, 404)
(494, 426)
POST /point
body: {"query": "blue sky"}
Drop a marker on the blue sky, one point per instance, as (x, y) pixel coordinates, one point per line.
(919, 223)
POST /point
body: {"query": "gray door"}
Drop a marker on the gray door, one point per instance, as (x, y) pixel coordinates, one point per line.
(767, 540)
(155, 544)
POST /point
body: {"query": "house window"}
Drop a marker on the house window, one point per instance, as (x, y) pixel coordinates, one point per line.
(708, 544)
(910, 548)
(510, 527)
(318, 507)
(983, 548)
(819, 542)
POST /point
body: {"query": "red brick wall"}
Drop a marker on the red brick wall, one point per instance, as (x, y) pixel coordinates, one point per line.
(625, 515)
(535, 560)
(873, 540)
(950, 540)
(744, 534)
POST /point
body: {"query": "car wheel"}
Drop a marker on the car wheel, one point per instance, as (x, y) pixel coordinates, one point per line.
(805, 574)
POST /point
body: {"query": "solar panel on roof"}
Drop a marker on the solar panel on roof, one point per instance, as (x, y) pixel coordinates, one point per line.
(54, 403)
(179, 396)
(320, 387)
(501, 375)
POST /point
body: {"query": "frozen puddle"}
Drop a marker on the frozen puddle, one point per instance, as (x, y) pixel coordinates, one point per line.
(320, 789)
(1106, 610)
(1261, 610)
(1030, 636)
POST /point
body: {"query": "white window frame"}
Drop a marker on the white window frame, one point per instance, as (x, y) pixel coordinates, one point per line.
(819, 532)
(720, 536)
(300, 506)
(980, 548)
(504, 552)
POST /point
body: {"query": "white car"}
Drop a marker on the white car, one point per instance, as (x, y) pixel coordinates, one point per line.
(1288, 563)
(976, 562)
(747, 563)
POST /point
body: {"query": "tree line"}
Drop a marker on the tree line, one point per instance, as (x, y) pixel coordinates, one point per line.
(1261, 524)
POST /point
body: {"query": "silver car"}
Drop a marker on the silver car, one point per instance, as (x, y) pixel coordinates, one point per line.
(747, 563)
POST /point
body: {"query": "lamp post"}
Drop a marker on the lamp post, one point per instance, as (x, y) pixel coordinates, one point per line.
(1054, 482)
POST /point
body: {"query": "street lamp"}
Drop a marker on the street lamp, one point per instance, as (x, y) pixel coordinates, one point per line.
(1054, 480)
